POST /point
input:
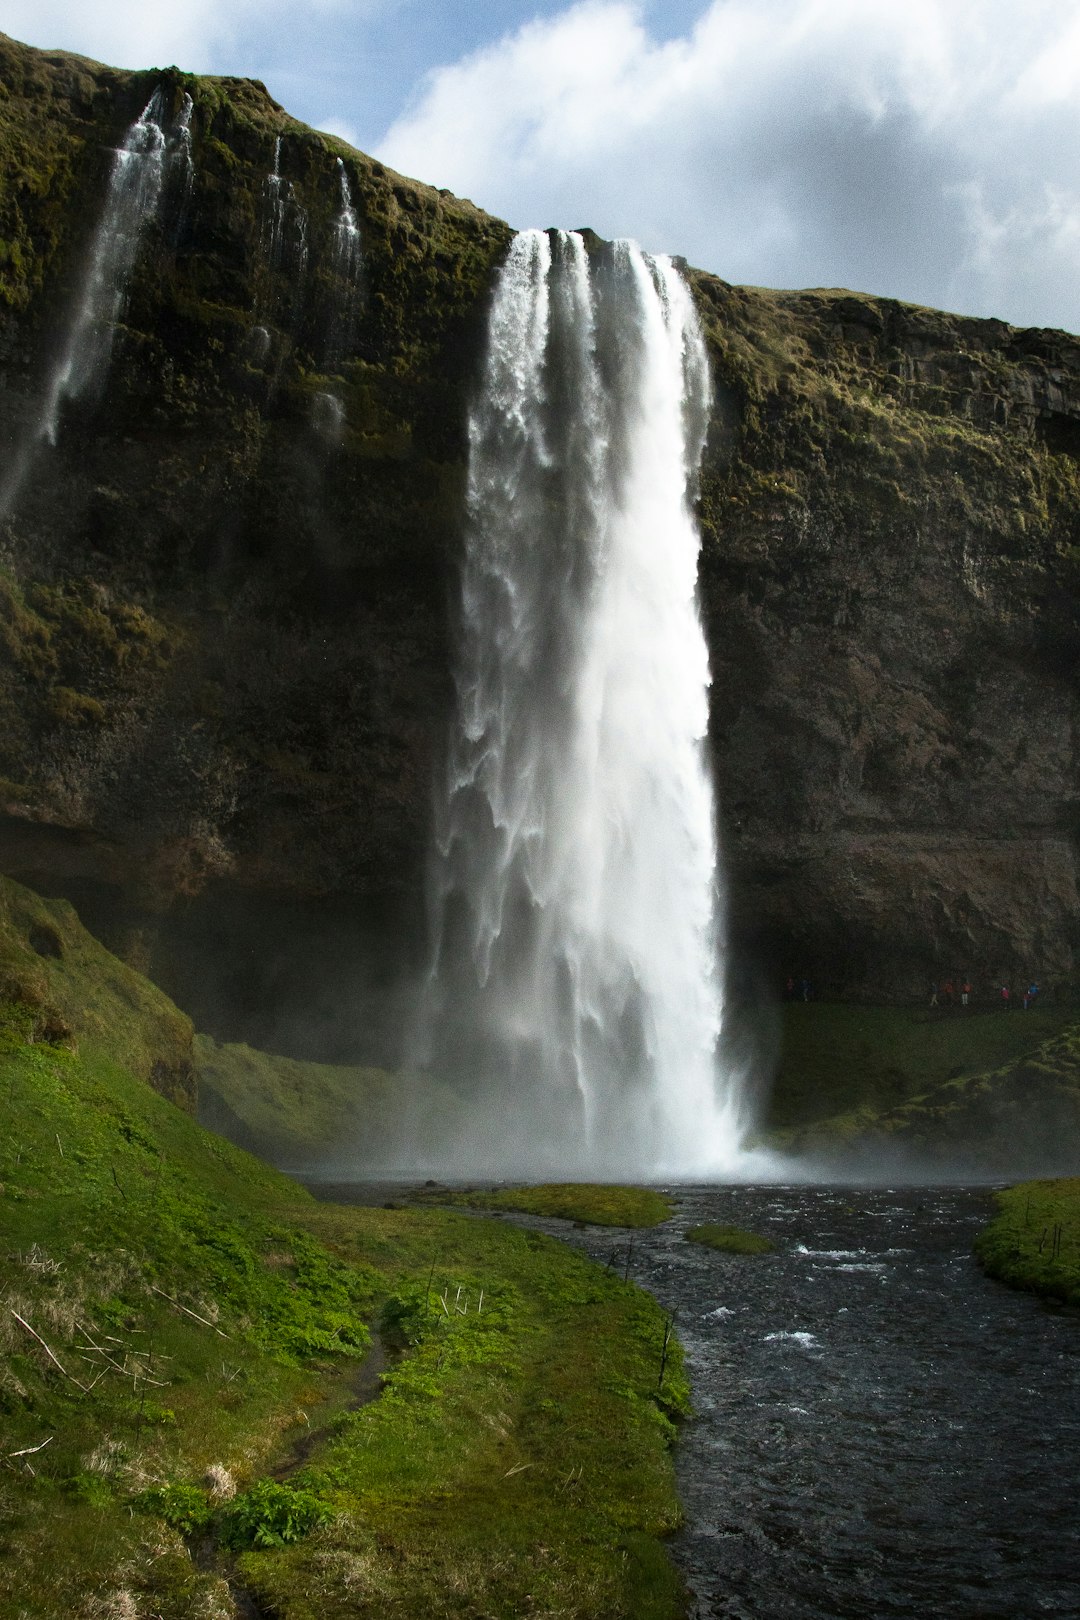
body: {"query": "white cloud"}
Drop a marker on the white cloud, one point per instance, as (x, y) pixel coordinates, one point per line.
(193, 34)
(340, 127)
(129, 33)
(927, 149)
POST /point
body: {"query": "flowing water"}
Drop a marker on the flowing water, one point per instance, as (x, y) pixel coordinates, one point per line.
(577, 980)
(132, 198)
(136, 182)
(283, 229)
(272, 231)
(880, 1429)
(346, 262)
(346, 232)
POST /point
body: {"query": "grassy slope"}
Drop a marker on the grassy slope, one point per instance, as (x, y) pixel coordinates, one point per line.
(518, 1448)
(836, 1058)
(78, 991)
(286, 1110)
(1002, 1090)
(302, 1115)
(1034, 1241)
(983, 1084)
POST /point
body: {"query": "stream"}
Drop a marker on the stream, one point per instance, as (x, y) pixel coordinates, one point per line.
(880, 1429)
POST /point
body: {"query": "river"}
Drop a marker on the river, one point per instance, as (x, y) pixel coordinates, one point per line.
(880, 1429)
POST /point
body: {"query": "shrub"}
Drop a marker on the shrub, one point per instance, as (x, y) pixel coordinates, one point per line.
(183, 1507)
(270, 1515)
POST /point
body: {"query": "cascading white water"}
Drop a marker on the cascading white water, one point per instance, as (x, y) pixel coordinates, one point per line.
(284, 226)
(134, 188)
(346, 261)
(273, 220)
(136, 182)
(180, 154)
(346, 232)
(576, 979)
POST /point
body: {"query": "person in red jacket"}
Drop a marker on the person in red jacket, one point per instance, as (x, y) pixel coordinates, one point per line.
(1005, 998)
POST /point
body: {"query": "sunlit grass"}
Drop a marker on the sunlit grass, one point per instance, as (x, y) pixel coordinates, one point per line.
(1034, 1240)
(174, 1315)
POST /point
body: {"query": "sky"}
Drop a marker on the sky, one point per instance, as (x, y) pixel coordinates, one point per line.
(921, 149)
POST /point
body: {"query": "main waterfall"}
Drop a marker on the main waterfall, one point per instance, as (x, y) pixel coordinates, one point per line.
(576, 987)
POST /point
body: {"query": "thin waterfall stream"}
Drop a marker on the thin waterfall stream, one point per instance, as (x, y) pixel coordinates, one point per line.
(137, 180)
(577, 980)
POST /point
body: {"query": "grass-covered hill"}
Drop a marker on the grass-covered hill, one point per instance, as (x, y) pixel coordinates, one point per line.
(192, 1413)
(957, 1089)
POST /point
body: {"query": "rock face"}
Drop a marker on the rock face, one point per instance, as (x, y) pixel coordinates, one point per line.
(889, 578)
(225, 590)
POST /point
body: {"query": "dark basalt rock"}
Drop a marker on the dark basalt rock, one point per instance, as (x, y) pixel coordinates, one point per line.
(224, 644)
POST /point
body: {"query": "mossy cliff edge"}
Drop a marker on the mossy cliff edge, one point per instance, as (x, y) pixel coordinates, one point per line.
(224, 644)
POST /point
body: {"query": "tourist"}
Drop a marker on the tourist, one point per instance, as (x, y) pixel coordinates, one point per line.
(950, 991)
(1005, 998)
(965, 991)
(933, 993)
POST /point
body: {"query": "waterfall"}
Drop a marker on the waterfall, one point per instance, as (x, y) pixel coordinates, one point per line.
(273, 220)
(132, 197)
(345, 264)
(346, 233)
(134, 193)
(576, 985)
(284, 227)
(180, 154)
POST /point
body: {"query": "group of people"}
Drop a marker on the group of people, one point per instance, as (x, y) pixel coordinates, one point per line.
(946, 994)
(949, 993)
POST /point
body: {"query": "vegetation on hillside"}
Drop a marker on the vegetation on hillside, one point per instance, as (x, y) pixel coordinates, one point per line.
(186, 1384)
(976, 1090)
(1034, 1240)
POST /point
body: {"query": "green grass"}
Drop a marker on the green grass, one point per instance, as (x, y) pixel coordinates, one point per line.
(837, 1058)
(1017, 1117)
(289, 1111)
(729, 1239)
(1034, 1240)
(296, 1113)
(198, 1315)
(76, 991)
(592, 1204)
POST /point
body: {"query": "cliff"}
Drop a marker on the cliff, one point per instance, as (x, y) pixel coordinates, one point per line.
(224, 664)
